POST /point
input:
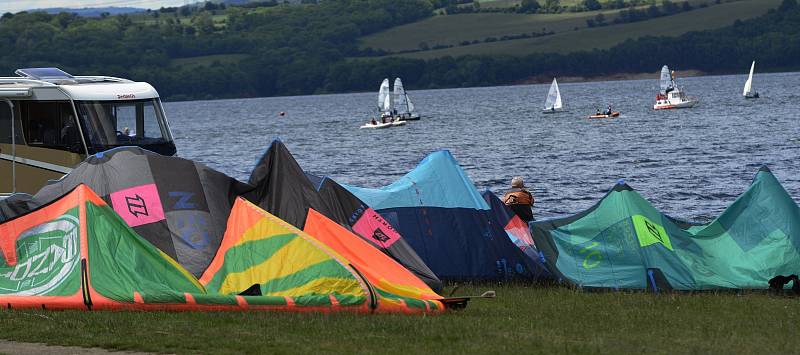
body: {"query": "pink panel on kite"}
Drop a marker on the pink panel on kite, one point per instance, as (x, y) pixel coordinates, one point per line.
(375, 229)
(520, 230)
(138, 205)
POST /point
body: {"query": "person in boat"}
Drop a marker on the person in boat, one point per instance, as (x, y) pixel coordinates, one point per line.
(373, 122)
(608, 110)
(519, 199)
(597, 113)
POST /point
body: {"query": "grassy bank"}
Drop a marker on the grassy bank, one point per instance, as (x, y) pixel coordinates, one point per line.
(521, 319)
(571, 31)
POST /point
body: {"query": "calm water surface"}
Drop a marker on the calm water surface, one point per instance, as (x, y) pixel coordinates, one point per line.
(689, 163)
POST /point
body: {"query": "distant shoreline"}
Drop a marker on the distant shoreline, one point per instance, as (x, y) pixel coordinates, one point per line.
(542, 79)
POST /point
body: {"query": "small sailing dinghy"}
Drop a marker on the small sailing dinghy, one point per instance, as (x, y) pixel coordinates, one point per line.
(402, 103)
(671, 96)
(384, 108)
(553, 102)
(748, 91)
(377, 125)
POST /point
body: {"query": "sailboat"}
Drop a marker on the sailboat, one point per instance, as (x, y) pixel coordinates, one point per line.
(670, 96)
(553, 102)
(748, 92)
(403, 104)
(384, 108)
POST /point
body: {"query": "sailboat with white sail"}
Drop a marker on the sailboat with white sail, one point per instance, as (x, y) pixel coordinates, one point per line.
(402, 103)
(384, 108)
(749, 92)
(553, 102)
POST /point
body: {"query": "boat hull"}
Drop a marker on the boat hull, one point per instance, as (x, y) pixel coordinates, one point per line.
(753, 95)
(671, 106)
(376, 126)
(612, 115)
(409, 118)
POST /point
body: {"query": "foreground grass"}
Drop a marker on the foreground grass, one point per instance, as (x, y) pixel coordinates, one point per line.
(522, 319)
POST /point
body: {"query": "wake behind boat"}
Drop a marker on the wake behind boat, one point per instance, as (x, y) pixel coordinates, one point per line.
(670, 96)
(749, 92)
(553, 102)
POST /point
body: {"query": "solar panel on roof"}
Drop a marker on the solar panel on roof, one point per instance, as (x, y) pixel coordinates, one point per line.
(44, 73)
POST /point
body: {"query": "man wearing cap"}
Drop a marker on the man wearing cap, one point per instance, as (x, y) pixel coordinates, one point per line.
(519, 199)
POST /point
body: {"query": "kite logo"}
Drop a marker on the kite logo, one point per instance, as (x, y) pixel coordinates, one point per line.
(380, 236)
(372, 224)
(593, 258)
(649, 233)
(47, 256)
(183, 200)
(136, 205)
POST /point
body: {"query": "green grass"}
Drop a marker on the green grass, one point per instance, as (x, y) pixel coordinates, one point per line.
(521, 320)
(454, 29)
(207, 60)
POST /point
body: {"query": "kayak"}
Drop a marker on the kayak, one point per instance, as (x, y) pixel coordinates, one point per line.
(377, 125)
(613, 114)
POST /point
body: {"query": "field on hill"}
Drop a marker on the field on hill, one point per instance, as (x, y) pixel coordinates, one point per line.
(523, 319)
(454, 29)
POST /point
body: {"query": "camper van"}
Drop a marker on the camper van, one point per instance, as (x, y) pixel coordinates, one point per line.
(50, 121)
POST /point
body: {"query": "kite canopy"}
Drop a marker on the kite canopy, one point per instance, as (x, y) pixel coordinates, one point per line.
(178, 205)
(285, 190)
(623, 242)
(369, 224)
(440, 213)
(77, 253)
(262, 255)
(518, 231)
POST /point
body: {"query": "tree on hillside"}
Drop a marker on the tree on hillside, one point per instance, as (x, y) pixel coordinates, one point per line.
(552, 5)
(529, 6)
(592, 5)
(788, 5)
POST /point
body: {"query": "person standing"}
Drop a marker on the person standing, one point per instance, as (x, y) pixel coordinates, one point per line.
(520, 199)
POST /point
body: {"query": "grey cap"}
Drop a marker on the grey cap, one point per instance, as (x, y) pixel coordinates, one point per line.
(517, 182)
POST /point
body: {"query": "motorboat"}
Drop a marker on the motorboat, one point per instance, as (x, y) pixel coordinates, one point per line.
(671, 96)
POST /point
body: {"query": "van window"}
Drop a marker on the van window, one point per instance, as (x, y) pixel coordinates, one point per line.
(50, 125)
(5, 125)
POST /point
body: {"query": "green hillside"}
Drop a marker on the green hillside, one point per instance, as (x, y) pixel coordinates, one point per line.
(455, 29)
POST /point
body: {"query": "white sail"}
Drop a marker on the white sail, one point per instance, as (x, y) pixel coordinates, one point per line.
(666, 78)
(383, 93)
(387, 104)
(409, 104)
(748, 85)
(553, 101)
(399, 95)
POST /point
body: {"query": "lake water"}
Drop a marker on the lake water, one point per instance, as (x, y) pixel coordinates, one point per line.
(689, 163)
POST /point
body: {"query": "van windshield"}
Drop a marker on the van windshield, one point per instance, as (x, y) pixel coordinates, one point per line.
(108, 124)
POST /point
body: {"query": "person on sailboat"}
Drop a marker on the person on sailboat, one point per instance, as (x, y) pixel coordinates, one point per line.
(519, 199)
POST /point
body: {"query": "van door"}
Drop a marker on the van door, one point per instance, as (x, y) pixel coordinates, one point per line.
(48, 146)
